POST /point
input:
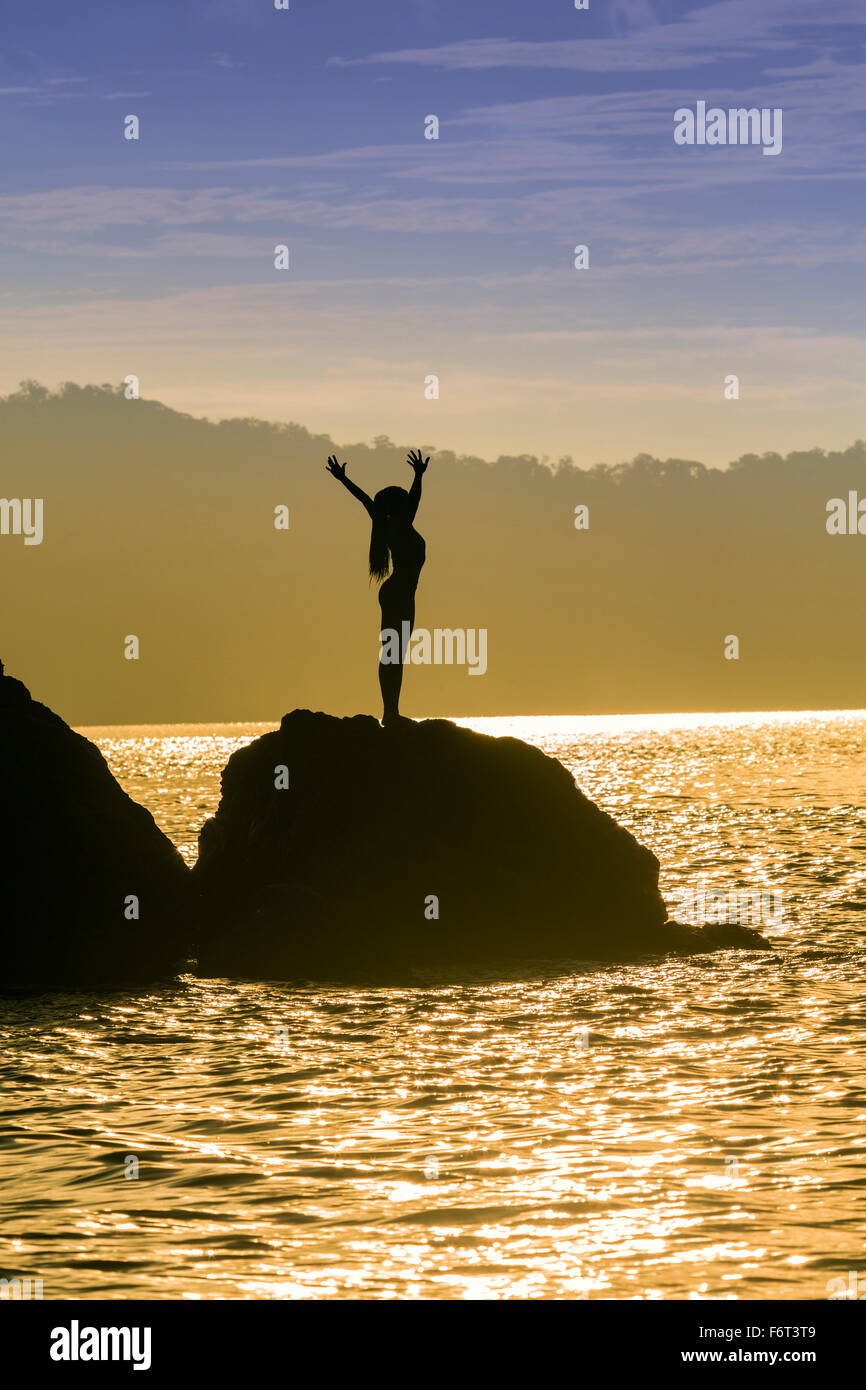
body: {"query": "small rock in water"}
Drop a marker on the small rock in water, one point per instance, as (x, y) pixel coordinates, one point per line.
(93, 894)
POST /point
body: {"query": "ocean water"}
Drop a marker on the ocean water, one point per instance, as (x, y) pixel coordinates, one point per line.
(670, 1129)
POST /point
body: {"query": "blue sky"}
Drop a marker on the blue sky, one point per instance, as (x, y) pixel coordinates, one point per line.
(454, 257)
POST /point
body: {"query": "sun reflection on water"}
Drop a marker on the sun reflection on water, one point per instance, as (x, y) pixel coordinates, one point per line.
(461, 1141)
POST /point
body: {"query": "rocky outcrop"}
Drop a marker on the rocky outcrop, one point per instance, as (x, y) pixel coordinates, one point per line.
(343, 850)
(78, 860)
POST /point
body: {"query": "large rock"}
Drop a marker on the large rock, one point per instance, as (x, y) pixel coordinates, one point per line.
(335, 876)
(74, 849)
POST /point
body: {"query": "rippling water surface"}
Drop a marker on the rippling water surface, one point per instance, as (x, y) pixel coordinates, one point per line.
(464, 1141)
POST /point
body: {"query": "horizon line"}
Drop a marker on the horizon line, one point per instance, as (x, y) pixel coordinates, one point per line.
(476, 718)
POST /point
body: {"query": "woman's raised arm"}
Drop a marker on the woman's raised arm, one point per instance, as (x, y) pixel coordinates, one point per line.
(418, 463)
(338, 471)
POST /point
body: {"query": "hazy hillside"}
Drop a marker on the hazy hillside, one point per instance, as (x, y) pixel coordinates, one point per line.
(161, 525)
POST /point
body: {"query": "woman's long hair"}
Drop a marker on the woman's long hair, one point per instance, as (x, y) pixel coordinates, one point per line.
(390, 509)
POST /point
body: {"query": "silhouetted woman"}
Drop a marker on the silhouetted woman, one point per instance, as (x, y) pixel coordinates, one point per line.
(394, 545)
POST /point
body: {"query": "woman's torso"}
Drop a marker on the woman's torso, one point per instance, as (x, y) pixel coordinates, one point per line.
(408, 553)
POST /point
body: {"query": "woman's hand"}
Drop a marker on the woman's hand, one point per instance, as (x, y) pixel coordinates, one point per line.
(417, 461)
(336, 470)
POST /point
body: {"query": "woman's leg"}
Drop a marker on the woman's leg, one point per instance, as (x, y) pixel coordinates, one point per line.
(390, 680)
(391, 672)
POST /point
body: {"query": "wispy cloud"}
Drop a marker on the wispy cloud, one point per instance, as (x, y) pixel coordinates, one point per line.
(705, 34)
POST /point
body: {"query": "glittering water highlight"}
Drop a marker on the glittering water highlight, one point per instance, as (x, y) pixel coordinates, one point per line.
(677, 1128)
